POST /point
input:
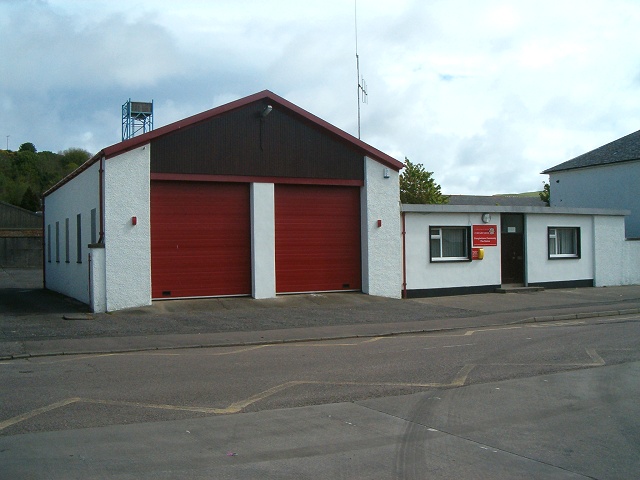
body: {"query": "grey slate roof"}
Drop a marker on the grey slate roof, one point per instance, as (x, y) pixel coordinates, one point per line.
(624, 149)
(497, 200)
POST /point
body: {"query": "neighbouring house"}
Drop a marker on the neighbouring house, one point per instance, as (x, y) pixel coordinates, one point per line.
(256, 197)
(20, 237)
(607, 177)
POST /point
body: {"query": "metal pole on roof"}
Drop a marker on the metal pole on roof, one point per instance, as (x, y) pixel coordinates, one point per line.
(362, 86)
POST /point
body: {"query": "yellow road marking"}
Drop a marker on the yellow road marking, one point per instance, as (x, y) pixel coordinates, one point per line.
(308, 344)
(159, 406)
(458, 381)
(597, 359)
(26, 416)
(235, 407)
(482, 330)
(557, 324)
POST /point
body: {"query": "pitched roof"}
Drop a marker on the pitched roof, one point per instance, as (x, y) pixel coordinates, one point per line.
(265, 95)
(624, 149)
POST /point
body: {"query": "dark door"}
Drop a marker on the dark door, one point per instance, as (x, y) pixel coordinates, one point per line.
(512, 258)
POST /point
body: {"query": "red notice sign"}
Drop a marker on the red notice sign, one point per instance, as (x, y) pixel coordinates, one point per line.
(485, 236)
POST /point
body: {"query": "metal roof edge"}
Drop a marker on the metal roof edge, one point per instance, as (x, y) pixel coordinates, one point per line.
(411, 208)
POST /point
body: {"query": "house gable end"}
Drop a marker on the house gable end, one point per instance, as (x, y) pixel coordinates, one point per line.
(241, 142)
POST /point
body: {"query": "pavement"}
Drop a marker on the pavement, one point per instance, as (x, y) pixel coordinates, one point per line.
(37, 322)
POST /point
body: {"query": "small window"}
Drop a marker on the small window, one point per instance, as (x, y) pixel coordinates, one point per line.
(450, 244)
(57, 242)
(66, 240)
(49, 243)
(79, 238)
(564, 242)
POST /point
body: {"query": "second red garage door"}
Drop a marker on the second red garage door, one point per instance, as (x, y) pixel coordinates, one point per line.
(317, 238)
(200, 239)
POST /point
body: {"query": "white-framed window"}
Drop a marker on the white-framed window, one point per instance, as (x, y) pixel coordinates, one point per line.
(450, 244)
(564, 242)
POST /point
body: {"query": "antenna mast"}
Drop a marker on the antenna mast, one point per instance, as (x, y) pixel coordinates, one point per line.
(362, 85)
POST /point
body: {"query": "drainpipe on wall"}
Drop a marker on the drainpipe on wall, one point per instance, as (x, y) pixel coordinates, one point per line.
(101, 187)
(45, 241)
(404, 256)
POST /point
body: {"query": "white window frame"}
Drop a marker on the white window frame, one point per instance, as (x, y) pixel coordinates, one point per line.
(556, 243)
(436, 234)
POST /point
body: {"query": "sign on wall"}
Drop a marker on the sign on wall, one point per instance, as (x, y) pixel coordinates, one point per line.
(485, 235)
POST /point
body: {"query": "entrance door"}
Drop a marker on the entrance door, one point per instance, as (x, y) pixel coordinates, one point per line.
(512, 250)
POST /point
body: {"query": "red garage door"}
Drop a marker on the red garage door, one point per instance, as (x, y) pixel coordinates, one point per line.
(200, 239)
(317, 238)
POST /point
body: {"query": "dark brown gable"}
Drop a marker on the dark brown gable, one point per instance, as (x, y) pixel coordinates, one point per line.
(240, 142)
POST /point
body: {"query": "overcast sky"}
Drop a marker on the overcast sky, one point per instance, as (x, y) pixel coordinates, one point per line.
(485, 93)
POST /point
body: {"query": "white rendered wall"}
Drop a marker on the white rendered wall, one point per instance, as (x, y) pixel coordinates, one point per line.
(79, 196)
(263, 240)
(128, 246)
(97, 279)
(539, 268)
(631, 267)
(617, 261)
(381, 246)
(608, 186)
(608, 233)
(423, 274)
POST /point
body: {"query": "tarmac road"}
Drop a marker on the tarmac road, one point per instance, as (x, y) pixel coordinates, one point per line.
(569, 424)
(581, 422)
(33, 320)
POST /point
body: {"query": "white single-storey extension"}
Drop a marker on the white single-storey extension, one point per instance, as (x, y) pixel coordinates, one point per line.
(256, 197)
(458, 249)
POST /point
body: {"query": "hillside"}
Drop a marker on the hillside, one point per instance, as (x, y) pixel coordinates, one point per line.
(27, 173)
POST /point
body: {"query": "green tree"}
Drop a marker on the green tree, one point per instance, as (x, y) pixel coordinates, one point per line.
(30, 200)
(545, 194)
(27, 173)
(27, 147)
(73, 158)
(418, 186)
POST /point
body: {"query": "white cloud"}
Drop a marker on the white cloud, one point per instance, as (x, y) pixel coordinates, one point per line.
(486, 94)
